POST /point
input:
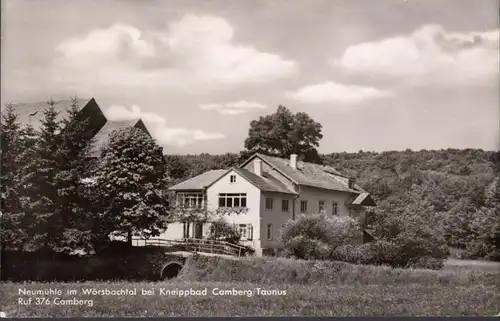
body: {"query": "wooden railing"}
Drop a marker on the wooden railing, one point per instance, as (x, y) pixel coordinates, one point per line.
(195, 245)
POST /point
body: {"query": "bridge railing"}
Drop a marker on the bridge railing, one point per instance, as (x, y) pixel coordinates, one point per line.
(195, 245)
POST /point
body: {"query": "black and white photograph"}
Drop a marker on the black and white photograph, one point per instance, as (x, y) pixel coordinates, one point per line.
(221, 158)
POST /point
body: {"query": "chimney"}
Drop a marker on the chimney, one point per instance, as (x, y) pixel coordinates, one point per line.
(351, 182)
(293, 161)
(257, 167)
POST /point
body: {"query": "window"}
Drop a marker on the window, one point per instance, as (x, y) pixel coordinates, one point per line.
(269, 231)
(190, 200)
(185, 227)
(351, 212)
(233, 200)
(335, 208)
(246, 231)
(269, 203)
(303, 206)
(321, 207)
(232, 178)
(285, 206)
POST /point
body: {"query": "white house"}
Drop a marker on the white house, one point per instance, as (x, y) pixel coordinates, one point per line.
(274, 190)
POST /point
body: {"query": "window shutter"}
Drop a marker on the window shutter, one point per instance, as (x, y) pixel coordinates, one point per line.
(250, 232)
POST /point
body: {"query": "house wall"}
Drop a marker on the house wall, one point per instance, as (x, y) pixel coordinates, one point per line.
(314, 195)
(175, 231)
(276, 217)
(253, 217)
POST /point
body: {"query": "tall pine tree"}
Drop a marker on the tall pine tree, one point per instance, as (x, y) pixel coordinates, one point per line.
(41, 191)
(71, 206)
(12, 231)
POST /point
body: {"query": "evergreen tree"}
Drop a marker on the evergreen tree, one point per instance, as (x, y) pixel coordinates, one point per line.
(12, 231)
(41, 191)
(71, 206)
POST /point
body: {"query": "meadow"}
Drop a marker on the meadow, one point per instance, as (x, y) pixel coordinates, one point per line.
(287, 288)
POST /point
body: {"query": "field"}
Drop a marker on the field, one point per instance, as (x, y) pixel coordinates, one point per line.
(300, 289)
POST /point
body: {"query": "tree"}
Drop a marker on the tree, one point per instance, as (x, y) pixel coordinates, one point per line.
(485, 227)
(40, 194)
(12, 231)
(127, 186)
(284, 133)
(318, 236)
(72, 155)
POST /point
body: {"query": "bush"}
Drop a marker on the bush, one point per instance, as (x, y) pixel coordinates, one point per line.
(398, 253)
(317, 236)
(427, 262)
(221, 230)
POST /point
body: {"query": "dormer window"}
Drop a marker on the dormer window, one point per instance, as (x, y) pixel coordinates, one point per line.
(232, 178)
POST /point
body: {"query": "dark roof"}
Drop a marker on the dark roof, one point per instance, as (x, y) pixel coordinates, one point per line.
(309, 174)
(101, 139)
(362, 199)
(32, 113)
(24, 110)
(201, 181)
(265, 182)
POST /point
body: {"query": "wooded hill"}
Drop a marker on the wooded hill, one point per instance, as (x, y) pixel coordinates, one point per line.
(451, 189)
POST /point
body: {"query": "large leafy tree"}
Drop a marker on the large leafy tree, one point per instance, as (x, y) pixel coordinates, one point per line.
(284, 133)
(127, 185)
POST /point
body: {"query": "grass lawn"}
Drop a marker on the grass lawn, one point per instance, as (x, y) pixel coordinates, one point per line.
(461, 288)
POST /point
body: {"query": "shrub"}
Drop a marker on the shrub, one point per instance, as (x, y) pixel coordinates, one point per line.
(221, 230)
(350, 253)
(317, 236)
(427, 262)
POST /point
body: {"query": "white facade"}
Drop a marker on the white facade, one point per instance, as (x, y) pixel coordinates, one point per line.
(266, 211)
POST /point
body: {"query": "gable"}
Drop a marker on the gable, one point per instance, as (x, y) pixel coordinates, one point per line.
(31, 113)
(199, 182)
(101, 139)
(224, 184)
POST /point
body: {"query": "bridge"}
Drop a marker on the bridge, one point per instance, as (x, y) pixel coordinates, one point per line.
(182, 249)
(185, 247)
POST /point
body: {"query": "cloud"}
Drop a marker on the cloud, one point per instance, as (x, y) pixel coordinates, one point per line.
(194, 53)
(336, 92)
(158, 128)
(234, 108)
(430, 54)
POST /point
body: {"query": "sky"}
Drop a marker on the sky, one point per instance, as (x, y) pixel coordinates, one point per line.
(378, 75)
